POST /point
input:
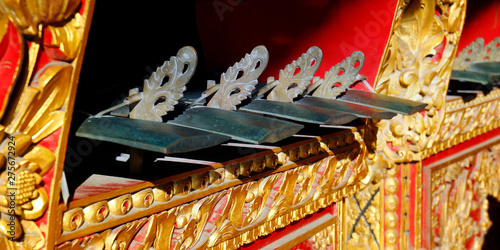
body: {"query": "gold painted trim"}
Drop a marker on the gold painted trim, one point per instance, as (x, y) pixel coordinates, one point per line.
(247, 211)
(466, 120)
(346, 142)
(55, 191)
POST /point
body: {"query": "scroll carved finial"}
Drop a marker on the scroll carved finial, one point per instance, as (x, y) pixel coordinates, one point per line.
(490, 52)
(165, 86)
(292, 83)
(469, 54)
(341, 76)
(477, 52)
(238, 82)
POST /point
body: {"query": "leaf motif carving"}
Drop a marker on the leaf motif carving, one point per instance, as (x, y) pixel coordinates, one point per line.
(66, 38)
(40, 111)
(235, 86)
(292, 83)
(27, 14)
(341, 76)
(165, 86)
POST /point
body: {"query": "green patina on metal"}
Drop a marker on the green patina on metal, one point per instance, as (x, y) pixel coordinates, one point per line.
(481, 72)
(298, 112)
(492, 68)
(474, 77)
(148, 135)
(352, 108)
(237, 125)
(380, 101)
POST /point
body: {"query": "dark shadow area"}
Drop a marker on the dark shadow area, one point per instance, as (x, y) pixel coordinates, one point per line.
(468, 90)
(127, 42)
(492, 239)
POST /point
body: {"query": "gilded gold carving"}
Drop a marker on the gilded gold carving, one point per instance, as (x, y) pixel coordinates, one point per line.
(416, 65)
(201, 181)
(32, 235)
(150, 234)
(4, 22)
(182, 187)
(91, 242)
(325, 238)
(121, 205)
(39, 159)
(391, 203)
(408, 71)
(363, 217)
(32, 238)
(96, 212)
(459, 190)
(341, 76)
(240, 214)
(216, 176)
(31, 199)
(143, 199)
(238, 82)
(165, 86)
(38, 105)
(73, 219)
(6, 219)
(466, 120)
(271, 161)
(258, 165)
(121, 237)
(297, 76)
(66, 38)
(39, 113)
(27, 15)
(163, 192)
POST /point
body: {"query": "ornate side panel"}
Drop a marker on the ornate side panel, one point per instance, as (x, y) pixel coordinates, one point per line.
(416, 65)
(457, 199)
(41, 50)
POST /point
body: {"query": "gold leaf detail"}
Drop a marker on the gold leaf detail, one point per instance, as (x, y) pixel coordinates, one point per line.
(67, 38)
(28, 14)
(33, 238)
(43, 157)
(121, 237)
(39, 113)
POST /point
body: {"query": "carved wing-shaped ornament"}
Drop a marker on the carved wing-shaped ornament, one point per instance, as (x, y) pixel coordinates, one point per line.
(297, 76)
(238, 82)
(341, 76)
(490, 52)
(165, 86)
(469, 55)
